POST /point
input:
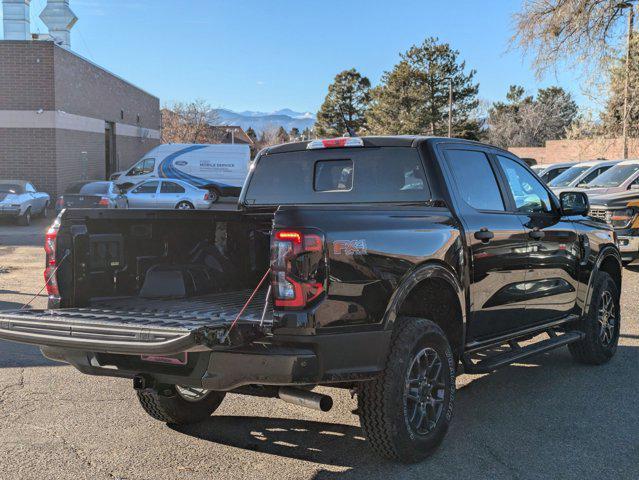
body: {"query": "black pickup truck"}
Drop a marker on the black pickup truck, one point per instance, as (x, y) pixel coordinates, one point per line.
(382, 265)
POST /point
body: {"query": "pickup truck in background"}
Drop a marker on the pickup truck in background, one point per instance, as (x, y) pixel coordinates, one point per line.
(621, 212)
(381, 265)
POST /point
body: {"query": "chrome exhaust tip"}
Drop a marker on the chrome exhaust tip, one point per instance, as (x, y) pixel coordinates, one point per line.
(305, 398)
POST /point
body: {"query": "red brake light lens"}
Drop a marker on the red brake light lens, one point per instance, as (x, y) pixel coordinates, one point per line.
(289, 236)
(50, 246)
(104, 202)
(335, 143)
(297, 268)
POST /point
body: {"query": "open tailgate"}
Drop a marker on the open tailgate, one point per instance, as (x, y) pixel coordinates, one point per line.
(157, 327)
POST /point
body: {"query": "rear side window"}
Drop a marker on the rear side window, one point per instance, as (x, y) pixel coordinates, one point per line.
(171, 187)
(475, 179)
(344, 175)
(148, 187)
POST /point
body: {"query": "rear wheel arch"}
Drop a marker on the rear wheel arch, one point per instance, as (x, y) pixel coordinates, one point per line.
(434, 292)
(609, 261)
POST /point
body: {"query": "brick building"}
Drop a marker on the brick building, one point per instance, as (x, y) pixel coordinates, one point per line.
(64, 119)
(556, 151)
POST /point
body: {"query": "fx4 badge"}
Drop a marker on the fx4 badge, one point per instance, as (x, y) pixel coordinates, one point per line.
(349, 247)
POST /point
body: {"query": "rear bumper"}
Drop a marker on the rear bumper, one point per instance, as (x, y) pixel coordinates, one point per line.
(7, 211)
(322, 359)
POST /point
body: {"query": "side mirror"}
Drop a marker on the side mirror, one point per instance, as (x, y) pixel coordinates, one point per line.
(574, 203)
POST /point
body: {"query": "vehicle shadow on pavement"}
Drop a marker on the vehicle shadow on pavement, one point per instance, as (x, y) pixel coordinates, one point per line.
(547, 418)
(20, 355)
(299, 439)
(10, 305)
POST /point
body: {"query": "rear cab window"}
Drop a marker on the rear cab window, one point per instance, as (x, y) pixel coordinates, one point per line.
(341, 175)
(96, 188)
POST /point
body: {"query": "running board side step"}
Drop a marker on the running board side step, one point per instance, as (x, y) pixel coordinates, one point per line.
(517, 353)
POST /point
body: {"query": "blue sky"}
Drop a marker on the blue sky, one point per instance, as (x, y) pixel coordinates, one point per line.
(270, 54)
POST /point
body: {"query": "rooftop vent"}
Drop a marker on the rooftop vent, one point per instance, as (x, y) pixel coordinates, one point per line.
(59, 19)
(16, 19)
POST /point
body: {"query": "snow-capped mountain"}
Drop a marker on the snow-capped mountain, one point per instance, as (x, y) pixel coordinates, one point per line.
(261, 121)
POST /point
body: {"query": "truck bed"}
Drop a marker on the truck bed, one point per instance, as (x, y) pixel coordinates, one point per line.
(129, 326)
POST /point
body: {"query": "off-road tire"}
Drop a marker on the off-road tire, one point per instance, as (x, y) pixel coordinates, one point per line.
(24, 220)
(591, 350)
(381, 402)
(166, 405)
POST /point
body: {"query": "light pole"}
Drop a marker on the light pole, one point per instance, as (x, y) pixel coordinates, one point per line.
(450, 108)
(626, 93)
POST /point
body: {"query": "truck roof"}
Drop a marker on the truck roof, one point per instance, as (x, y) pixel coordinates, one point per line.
(377, 141)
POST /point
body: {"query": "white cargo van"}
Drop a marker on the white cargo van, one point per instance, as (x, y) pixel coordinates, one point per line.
(219, 168)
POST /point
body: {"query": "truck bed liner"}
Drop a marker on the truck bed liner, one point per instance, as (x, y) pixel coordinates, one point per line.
(132, 325)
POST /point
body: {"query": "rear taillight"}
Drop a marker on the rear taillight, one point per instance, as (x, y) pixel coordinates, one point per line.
(104, 202)
(50, 246)
(297, 267)
(207, 196)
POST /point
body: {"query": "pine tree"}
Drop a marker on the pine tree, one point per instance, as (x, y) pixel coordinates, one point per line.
(348, 98)
(251, 134)
(282, 136)
(294, 134)
(413, 97)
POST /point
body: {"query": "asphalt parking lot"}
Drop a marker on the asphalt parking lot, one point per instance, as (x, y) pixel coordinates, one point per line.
(547, 418)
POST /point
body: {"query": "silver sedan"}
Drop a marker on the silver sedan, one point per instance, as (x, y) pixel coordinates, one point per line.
(96, 194)
(21, 200)
(169, 194)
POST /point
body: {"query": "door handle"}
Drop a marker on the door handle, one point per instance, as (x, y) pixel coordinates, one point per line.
(484, 235)
(536, 234)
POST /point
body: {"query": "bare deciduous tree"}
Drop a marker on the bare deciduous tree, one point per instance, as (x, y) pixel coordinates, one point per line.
(269, 137)
(619, 91)
(189, 123)
(524, 121)
(581, 32)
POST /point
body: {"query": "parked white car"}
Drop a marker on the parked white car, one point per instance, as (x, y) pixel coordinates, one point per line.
(221, 168)
(169, 194)
(580, 174)
(21, 200)
(548, 172)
